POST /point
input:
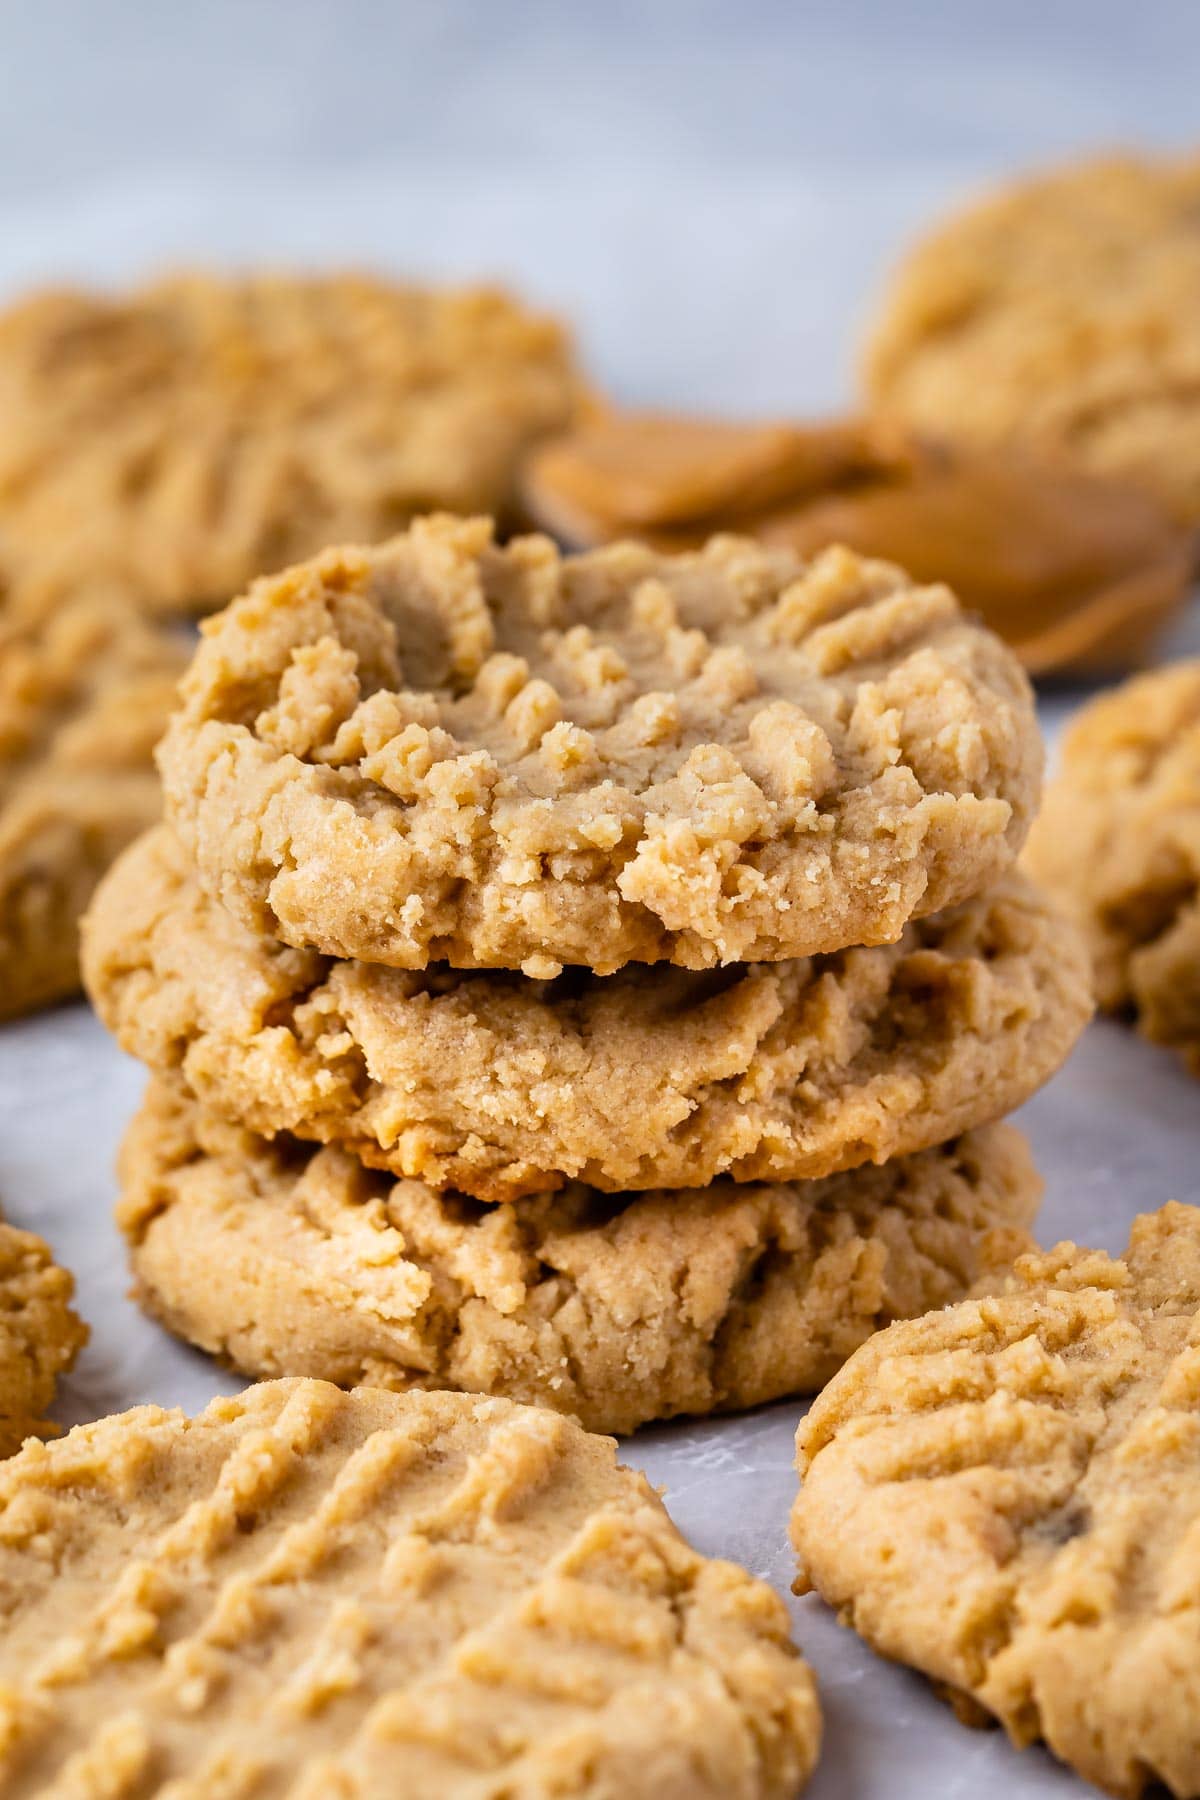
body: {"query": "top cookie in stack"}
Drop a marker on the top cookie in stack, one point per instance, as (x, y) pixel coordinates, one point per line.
(442, 816)
(500, 758)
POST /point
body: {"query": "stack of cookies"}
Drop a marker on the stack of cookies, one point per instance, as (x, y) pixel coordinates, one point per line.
(589, 980)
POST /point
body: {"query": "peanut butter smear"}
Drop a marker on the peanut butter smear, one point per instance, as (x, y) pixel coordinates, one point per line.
(1077, 571)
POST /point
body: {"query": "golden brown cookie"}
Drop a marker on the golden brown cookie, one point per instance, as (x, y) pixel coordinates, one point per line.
(1119, 843)
(442, 750)
(85, 691)
(283, 1259)
(202, 430)
(40, 1336)
(353, 1595)
(1005, 1495)
(498, 1085)
(1062, 311)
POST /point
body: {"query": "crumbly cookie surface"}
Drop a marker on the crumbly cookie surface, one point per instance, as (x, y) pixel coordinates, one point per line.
(1064, 310)
(40, 1336)
(370, 1593)
(1119, 843)
(197, 432)
(1004, 1494)
(443, 750)
(85, 691)
(283, 1259)
(498, 1085)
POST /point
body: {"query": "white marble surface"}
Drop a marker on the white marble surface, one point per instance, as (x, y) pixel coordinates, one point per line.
(712, 192)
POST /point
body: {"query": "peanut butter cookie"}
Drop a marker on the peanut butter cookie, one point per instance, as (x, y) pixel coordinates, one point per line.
(40, 1336)
(499, 1086)
(322, 1594)
(282, 1259)
(1063, 311)
(442, 750)
(85, 691)
(1119, 843)
(200, 431)
(1004, 1494)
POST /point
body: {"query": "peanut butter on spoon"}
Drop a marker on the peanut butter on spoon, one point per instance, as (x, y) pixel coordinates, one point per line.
(1077, 571)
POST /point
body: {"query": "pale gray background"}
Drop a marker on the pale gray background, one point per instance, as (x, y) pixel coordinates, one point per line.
(98, 88)
(712, 192)
(711, 189)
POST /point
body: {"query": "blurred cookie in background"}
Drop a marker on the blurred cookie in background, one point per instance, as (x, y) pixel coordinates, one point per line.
(40, 1335)
(192, 434)
(1063, 312)
(86, 686)
(1119, 843)
(1076, 570)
